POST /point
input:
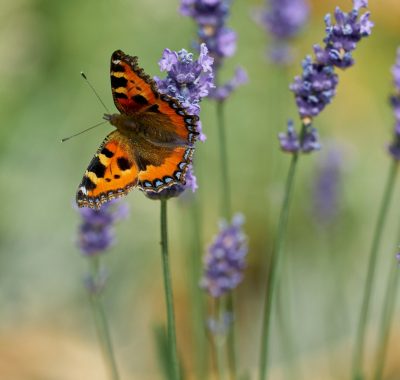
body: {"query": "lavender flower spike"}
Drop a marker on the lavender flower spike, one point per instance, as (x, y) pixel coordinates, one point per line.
(283, 20)
(316, 87)
(394, 147)
(225, 260)
(96, 232)
(189, 81)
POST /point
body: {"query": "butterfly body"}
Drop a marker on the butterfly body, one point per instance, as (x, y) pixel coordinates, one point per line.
(152, 145)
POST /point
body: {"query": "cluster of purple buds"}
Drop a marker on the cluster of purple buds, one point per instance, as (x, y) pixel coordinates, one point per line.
(394, 147)
(96, 232)
(290, 142)
(316, 87)
(225, 259)
(283, 20)
(211, 16)
(188, 81)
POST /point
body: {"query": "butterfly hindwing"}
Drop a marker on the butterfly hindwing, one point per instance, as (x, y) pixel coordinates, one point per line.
(170, 172)
(111, 173)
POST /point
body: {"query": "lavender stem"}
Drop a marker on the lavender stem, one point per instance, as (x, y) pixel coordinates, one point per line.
(168, 293)
(358, 353)
(102, 329)
(386, 320)
(276, 266)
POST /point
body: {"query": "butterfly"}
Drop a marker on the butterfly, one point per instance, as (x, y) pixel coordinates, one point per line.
(152, 146)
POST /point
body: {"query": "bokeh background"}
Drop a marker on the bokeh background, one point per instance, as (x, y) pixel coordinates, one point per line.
(46, 327)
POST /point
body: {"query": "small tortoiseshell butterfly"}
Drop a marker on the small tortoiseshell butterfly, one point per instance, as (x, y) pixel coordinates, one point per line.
(152, 146)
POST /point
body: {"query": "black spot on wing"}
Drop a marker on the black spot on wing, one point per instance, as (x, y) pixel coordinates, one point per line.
(97, 167)
(87, 183)
(118, 81)
(120, 95)
(140, 99)
(117, 68)
(153, 108)
(107, 152)
(123, 163)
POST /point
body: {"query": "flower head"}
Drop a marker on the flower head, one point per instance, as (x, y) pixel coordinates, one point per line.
(316, 87)
(211, 16)
(290, 141)
(283, 20)
(96, 232)
(223, 92)
(225, 260)
(188, 81)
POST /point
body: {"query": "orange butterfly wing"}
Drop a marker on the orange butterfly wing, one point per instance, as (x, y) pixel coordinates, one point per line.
(134, 91)
(124, 161)
(111, 173)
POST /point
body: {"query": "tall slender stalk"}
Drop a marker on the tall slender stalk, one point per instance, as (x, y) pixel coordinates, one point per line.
(358, 354)
(100, 318)
(275, 267)
(168, 293)
(386, 320)
(226, 212)
(197, 295)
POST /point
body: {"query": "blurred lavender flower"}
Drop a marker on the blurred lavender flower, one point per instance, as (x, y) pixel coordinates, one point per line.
(283, 20)
(223, 92)
(96, 232)
(325, 192)
(394, 147)
(290, 141)
(398, 257)
(220, 327)
(225, 260)
(211, 16)
(188, 81)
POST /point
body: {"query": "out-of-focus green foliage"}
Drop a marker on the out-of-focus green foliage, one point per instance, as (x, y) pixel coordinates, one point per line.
(44, 44)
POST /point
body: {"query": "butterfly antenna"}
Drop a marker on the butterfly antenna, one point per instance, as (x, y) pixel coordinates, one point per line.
(85, 130)
(95, 92)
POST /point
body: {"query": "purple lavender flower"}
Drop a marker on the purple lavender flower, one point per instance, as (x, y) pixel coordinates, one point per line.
(223, 92)
(398, 257)
(326, 186)
(225, 260)
(342, 37)
(316, 87)
(211, 16)
(188, 81)
(394, 147)
(290, 141)
(283, 20)
(96, 232)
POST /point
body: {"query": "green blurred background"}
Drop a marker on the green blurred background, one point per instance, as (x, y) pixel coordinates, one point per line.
(46, 329)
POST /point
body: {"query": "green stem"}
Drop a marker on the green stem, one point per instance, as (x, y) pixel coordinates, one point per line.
(275, 268)
(197, 293)
(219, 340)
(226, 212)
(223, 158)
(386, 320)
(369, 281)
(100, 318)
(168, 293)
